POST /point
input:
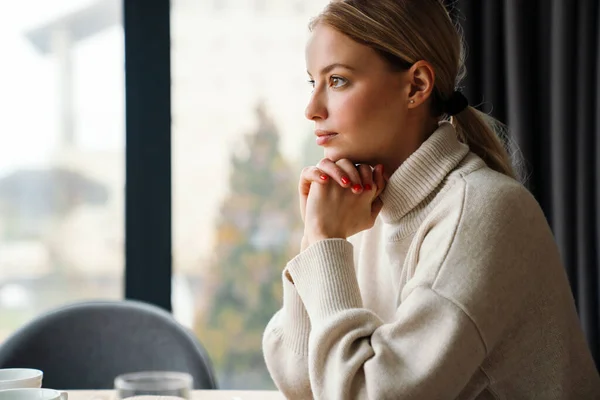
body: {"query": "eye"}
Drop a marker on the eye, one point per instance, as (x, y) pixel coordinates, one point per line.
(337, 82)
(311, 82)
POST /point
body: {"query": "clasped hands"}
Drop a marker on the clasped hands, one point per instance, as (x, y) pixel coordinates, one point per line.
(339, 199)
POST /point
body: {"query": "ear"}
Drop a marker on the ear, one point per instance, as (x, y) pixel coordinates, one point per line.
(422, 81)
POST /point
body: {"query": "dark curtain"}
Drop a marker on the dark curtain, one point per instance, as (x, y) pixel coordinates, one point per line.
(534, 65)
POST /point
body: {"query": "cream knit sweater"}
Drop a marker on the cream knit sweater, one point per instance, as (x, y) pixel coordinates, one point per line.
(457, 292)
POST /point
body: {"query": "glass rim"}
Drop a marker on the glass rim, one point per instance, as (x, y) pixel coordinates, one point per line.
(175, 380)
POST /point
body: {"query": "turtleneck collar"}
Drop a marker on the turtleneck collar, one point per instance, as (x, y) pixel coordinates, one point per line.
(422, 173)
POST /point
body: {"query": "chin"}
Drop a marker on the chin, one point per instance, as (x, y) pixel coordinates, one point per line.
(336, 154)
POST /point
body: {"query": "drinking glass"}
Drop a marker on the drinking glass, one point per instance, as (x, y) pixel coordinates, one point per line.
(154, 383)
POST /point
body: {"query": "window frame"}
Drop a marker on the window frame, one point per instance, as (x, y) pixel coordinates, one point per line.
(148, 224)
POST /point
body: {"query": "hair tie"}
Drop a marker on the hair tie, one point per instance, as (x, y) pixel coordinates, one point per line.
(456, 103)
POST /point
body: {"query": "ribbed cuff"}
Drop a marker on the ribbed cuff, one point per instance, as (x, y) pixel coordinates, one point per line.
(325, 278)
(295, 319)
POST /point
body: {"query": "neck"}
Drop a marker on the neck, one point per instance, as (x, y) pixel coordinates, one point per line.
(419, 134)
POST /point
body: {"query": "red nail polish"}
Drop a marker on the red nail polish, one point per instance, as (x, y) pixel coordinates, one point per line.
(323, 177)
(345, 180)
(367, 187)
(357, 187)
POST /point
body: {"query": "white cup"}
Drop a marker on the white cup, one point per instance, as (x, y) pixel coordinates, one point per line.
(16, 378)
(32, 394)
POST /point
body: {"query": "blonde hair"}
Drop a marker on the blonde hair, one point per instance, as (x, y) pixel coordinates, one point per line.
(406, 31)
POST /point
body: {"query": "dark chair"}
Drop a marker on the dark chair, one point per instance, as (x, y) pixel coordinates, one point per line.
(86, 345)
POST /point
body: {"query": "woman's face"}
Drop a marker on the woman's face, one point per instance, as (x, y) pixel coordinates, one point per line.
(359, 104)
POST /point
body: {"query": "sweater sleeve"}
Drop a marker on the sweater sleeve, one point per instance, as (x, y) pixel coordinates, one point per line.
(285, 345)
(429, 351)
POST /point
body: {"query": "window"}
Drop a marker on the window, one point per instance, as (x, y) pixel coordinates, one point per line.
(61, 156)
(260, 5)
(240, 140)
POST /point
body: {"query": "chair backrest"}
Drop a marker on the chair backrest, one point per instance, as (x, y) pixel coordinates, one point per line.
(86, 345)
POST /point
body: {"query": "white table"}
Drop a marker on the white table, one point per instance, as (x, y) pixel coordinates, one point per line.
(196, 395)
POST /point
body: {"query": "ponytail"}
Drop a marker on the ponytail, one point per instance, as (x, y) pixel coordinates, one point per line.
(482, 134)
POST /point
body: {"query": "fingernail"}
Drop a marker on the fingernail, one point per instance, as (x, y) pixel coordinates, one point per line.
(323, 177)
(367, 187)
(357, 188)
(345, 180)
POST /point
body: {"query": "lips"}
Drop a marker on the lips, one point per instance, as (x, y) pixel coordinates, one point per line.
(324, 137)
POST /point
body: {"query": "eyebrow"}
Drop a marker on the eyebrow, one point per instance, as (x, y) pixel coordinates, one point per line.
(330, 67)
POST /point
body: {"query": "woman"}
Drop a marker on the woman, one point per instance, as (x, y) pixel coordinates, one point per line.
(453, 286)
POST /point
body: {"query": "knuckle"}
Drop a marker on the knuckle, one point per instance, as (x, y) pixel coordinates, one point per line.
(305, 171)
(346, 165)
(323, 163)
(365, 169)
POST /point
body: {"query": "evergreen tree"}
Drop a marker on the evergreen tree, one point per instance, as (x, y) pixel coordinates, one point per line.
(258, 231)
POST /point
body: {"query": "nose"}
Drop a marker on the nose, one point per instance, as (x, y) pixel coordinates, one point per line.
(316, 107)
